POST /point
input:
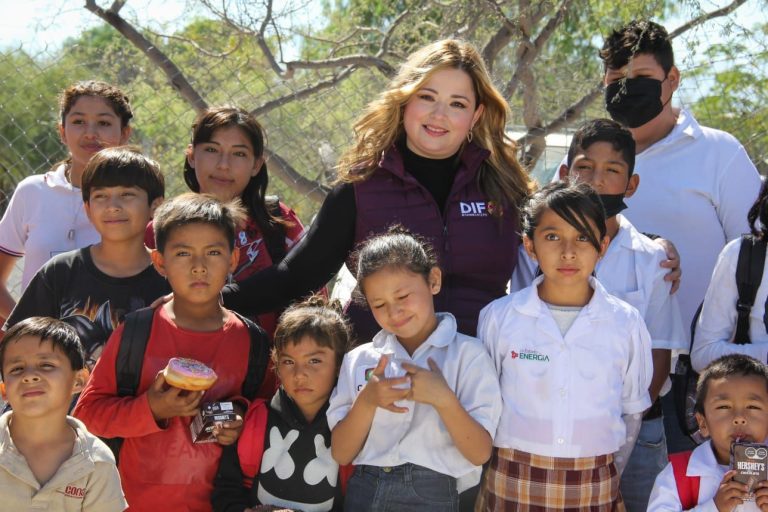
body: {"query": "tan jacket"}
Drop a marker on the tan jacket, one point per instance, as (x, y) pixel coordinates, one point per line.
(87, 481)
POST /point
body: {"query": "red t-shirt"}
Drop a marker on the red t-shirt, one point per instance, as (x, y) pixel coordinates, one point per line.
(161, 468)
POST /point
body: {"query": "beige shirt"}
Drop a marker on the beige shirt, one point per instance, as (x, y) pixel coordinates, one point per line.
(88, 480)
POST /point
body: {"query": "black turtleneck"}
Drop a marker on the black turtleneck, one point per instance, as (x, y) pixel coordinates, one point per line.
(434, 175)
(328, 242)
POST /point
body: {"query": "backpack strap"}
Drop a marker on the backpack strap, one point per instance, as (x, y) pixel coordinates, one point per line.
(687, 486)
(130, 356)
(749, 273)
(130, 360)
(275, 242)
(258, 358)
(250, 445)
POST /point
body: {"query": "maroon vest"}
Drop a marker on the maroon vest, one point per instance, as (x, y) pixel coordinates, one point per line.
(477, 252)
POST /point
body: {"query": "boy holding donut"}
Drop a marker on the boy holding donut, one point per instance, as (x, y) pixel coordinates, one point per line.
(159, 464)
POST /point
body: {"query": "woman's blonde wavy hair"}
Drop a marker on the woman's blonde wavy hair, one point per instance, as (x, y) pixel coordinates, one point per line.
(502, 179)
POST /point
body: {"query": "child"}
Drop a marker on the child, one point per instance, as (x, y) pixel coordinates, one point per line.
(574, 365)
(291, 431)
(416, 408)
(159, 464)
(717, 323)
(226, 159)
(45, 215)
(93, 288)
(731, 403)
(48, 460)
(602, 154)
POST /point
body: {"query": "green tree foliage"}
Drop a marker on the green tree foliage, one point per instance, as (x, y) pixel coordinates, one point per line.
(737, 100)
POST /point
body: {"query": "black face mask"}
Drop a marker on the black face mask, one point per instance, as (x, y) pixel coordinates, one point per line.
(634, 101)
(613, 204)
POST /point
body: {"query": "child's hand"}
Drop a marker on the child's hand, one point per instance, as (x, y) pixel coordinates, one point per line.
(730, 494)
(169, 402)
(429, 386)
(229, 431)
(761, 495)
(381, 392)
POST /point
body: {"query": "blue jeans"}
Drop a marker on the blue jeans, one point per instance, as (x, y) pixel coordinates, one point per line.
(407, 487)
(647, 460)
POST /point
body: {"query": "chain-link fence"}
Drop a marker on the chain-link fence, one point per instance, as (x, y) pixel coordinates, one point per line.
(307, 72)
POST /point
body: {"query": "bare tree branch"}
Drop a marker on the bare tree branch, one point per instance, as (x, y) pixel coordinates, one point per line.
(725, 11)
(177, 79)
(116, 6)
(197, 47)
(262, 42)
(303, 93)
(359, 60)
(528, 52)
(279, 167)
(501, 38)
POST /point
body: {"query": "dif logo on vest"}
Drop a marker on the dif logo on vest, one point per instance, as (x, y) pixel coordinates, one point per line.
(473, 209)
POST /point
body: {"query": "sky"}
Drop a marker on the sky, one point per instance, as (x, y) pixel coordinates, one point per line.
(37, 24)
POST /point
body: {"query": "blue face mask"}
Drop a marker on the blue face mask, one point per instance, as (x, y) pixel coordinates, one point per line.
(634, 101)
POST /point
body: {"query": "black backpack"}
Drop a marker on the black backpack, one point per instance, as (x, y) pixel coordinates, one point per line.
(749, 274)
(133, 344)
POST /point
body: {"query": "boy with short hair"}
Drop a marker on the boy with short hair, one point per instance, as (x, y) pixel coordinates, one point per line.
(698, 182)
(48, 460)
(93, 288)
(602, 154)
(731, 403)
(160, 466)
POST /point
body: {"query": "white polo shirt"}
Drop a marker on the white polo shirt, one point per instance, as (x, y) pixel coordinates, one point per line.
(563, 396)
(420, 436)
(696, 187)
(665, 498)
(631, 271)
(45, 217)
(717, 322)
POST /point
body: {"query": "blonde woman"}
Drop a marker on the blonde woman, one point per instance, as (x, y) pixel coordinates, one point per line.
(430, 153)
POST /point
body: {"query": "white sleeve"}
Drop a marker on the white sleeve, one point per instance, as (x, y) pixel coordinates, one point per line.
(632, 423)
(524, 273)
(664, 495)
(717, 323)
(480, 394)
(487, 331)
(663, 317)
(343, 395)
(637, 380)
(13, 226)
(738, 186)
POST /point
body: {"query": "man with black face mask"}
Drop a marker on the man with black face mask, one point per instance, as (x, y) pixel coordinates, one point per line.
(698, 183)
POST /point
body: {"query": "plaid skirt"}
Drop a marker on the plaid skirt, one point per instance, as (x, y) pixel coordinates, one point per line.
(524, 482)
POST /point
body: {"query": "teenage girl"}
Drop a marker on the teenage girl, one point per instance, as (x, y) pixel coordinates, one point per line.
(284, 449)
(226, 159)
(45, 216)
(717, 322)
(574, 365)
(416, 408)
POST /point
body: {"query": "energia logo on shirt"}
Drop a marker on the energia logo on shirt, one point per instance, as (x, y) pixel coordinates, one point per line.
(530, 355)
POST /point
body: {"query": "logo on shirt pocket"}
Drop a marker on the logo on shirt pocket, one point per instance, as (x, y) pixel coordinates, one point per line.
(528, 354)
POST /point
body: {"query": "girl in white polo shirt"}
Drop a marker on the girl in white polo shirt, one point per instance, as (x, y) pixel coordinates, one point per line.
(415, 410)
(574, 365)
